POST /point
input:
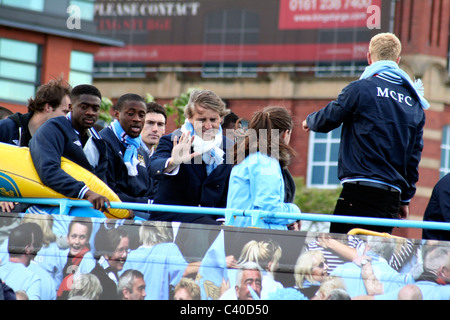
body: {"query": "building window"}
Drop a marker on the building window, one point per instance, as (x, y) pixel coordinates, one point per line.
(340, 69)
(35, 5)
(56, 7)
(60, 8)
(19, 69)
(228, 32)
(86, 8)
(445, 152)
(323, 159)
(81, 68)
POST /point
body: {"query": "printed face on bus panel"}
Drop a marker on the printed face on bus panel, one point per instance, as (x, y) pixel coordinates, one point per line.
(154, 128)
(77, 238)
(119, 256)
(85, 111)
(250, 278)
(320, 270)
(206, 122)
(131, 117)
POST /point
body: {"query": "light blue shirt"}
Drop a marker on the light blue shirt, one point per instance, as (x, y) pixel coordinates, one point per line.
(48, 258)
(257, 184)
(48, 291)
(430, 291)
(53, 260)
(18, 277)
(163, 265)
(351, 274)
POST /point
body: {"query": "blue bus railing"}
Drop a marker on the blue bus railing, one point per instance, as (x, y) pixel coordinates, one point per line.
(230, 214)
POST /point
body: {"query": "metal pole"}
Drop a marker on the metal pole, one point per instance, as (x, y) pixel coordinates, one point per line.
(231, 213)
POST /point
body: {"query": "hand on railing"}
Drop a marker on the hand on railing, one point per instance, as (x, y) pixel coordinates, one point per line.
(8, 206)
(98, 201)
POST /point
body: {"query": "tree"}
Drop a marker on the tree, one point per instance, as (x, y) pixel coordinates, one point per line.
(105, 107)
(175, 107)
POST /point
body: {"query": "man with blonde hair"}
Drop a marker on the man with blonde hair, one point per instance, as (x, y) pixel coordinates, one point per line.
(382, 117)
(384, 46)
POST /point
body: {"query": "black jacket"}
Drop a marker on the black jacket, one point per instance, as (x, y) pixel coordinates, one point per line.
(191, 186)
(138, 188)
(382, 132)
(14, 129)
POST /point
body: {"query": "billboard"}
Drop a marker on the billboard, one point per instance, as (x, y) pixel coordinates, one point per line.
(260, 32)
(108, 259)
(331, 14)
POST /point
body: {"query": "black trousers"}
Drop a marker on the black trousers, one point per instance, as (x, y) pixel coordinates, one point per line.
(364, 201)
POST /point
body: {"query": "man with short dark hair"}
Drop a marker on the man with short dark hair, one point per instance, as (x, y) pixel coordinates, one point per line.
(128, 161)
(154, 126)
(74, 138)
(24, 242)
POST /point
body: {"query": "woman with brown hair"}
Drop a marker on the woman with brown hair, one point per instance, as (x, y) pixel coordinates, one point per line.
(256, 180)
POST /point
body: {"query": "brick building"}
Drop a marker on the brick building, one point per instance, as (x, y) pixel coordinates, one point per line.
(39, 41)
(422, 26)
(217, 59)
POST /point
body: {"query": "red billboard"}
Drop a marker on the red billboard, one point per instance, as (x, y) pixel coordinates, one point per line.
(317, 14)
(262, 32)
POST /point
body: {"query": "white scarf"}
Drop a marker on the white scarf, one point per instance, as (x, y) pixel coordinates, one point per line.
(212, 153)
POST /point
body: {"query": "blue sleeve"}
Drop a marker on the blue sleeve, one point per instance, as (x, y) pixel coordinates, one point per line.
(8, 131)
(267, 190)
(176, 263)
(159, 158)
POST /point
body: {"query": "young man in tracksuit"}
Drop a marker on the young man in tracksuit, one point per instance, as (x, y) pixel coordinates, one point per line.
(74, 138)
(51, 100)
(382, 137)
(128, 160)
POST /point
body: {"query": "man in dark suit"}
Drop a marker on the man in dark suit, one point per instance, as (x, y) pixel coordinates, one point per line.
(190, 164)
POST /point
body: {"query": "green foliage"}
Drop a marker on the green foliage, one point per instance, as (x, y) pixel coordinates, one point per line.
(313, 200)
(176, 107)
(149, 98)
(105, 107)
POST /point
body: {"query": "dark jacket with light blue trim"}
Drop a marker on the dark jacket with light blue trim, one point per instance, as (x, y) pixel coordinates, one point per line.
(191, 186)
(57, 138)
(382, 132)
(138, 188)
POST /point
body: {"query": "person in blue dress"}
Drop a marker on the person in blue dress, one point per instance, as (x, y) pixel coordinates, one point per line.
(256, 181)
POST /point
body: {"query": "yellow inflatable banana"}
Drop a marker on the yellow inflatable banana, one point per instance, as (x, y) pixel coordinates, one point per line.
(18, 178)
